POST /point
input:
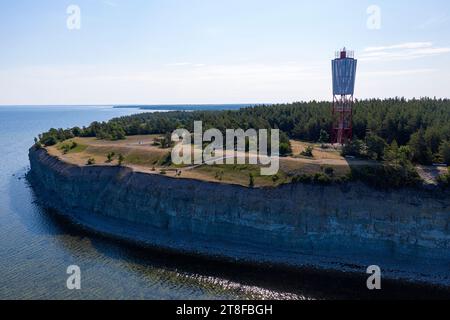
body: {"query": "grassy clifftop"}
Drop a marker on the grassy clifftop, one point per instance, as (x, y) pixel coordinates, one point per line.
(323, 166)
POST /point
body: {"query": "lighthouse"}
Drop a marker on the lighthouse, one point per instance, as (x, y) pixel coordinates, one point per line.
(344, 77)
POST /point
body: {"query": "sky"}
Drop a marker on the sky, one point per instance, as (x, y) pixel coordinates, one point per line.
(218, 51)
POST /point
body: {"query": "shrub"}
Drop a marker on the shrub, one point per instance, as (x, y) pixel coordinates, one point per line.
(324, 137)
(308, 152)
(318, 178)
(110, 156)
(421, 153)
(38, 145)
(90, 162)
(304, 178)
(219, 175)
(321, 178)
(65, 148)
(343, 179)
(121, 159)
(354, 148)
(166, 160)
(166, 141)
(405, 153)
(375, 147)
(444, 150)
(285, 149)
(389, 175)
(329, 171)
(444, 179)
(251, 183)
(49, 141)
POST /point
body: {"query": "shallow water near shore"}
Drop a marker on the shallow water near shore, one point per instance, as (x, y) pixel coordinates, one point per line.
(37, 245)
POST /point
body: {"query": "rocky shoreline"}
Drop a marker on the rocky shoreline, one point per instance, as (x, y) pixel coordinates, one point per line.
(337, 227)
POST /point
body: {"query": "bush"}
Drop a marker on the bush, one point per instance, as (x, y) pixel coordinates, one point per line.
(110, 156)
(324, 137)
(321, 178)
(354, 148)
(375, 147)
(167, 160)
(121, 159)
(444, 180)
(387, 176)
(421, 153)
(49, 141)
(329, 171)
(285, 149)
(90, 162)
(405, 153)
(304, 178)
(166, 141)
(444, 150)
(251, 183)
(318, 178)
(308, 152)
(65, 148)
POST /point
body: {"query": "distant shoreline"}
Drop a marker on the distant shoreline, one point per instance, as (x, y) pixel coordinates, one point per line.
(189, 107)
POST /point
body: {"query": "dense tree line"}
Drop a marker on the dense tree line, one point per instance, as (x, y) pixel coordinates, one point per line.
(421, 124)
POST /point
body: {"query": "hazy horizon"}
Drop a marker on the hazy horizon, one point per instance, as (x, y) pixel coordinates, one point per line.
(177, 52)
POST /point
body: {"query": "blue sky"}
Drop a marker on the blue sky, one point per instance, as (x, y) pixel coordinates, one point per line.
(211, 51)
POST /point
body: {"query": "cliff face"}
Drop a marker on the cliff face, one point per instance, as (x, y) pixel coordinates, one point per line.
(345, 227)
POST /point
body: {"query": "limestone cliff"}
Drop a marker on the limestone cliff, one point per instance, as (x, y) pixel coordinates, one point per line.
(343, 227)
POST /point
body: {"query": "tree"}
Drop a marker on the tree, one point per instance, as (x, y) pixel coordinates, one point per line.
(444, 179)
(421, 153)
(251, 183)
(121, 159)
(444, 150)
(308, 152)
(329, 171)
(391, 119)
(285, 145)
(110, 156)
(405, 153)
(77, 131)
(285, 149)
(166, 141)
(49, 141)
(324, 137)
(353, 148)
(375, 146)
(391, 152)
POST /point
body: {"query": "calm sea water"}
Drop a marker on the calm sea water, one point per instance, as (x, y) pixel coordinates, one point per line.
(36, 246)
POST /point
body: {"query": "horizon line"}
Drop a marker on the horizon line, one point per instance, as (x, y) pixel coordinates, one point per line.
(137, 105)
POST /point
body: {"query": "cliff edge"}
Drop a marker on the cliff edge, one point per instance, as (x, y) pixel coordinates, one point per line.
(344, 227)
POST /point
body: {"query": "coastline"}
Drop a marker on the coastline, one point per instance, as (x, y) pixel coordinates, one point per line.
(281, 233)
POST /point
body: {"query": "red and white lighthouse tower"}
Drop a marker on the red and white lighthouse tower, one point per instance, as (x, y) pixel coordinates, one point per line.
(344, 76)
